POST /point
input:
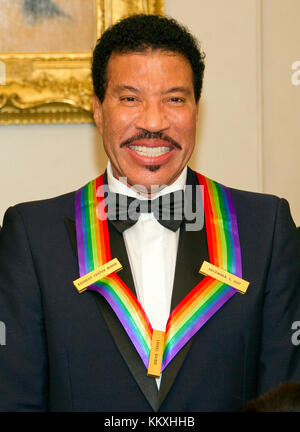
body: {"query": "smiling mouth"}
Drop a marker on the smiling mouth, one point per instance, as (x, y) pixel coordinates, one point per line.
(151, 152)
(151, 141)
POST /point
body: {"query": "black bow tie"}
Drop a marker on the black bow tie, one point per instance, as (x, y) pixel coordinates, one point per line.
(123, 211)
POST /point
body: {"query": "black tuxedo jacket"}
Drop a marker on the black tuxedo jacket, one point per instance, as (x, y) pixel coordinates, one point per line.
(68, 352)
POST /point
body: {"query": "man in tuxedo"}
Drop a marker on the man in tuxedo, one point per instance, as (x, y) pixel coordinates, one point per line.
(67, 351)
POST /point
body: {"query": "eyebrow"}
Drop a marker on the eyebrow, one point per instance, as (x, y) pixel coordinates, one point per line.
(120, 88)
(184, 90)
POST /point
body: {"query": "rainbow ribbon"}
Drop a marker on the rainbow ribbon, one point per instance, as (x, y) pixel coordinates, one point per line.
(209, 295)
(198, 306)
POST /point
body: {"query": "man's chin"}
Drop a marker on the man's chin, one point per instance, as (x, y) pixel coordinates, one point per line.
(152, 168)
(148, 176)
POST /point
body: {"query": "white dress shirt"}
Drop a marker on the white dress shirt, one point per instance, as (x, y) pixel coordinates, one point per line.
(152, 252)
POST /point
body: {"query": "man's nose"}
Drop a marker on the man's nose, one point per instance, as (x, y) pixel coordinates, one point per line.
(152, 118)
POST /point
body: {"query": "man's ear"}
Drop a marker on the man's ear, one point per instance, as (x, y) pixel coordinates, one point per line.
(98, 113)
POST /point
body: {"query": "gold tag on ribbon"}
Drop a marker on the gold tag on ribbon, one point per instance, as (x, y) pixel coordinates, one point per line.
(223, 276)
(156, 353)
(112, 266)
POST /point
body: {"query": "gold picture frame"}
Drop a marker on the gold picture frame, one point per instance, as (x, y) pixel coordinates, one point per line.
(56, 87)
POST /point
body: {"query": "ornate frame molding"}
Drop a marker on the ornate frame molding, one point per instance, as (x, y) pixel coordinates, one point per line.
(56, 87)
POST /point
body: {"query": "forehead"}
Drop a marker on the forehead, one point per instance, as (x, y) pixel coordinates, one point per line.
(152, 65)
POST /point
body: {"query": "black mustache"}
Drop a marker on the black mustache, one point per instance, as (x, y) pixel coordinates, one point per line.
(151, 135)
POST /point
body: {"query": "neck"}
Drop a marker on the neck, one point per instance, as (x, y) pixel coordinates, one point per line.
(149, 192)
(142, 189)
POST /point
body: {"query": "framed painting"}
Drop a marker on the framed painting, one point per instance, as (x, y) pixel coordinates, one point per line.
(45, 55)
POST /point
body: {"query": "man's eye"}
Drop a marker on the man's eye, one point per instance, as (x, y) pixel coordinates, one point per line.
(177, 99)
(128, 99)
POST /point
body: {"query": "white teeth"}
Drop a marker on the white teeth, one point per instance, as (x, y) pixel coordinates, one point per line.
(150, 151)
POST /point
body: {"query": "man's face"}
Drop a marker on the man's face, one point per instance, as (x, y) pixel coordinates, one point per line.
(148, 117)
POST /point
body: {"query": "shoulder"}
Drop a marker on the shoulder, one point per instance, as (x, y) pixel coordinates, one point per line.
(263, 215)
(39, 218)
(255, 204)
(247, 200)
(259, 210)
(51, 208)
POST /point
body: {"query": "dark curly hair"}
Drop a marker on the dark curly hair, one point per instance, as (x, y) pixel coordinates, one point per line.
(139, 33)
(284, 398)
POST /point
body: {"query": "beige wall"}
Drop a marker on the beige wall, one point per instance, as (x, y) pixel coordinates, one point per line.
(248, 127)
(43, 161)
(281, 120)
(229, 147)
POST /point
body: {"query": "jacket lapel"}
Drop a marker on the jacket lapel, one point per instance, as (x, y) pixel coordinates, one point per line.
(192, 250)
(147, 385)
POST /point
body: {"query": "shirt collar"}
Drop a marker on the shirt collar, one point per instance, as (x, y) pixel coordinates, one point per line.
(118, 187)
